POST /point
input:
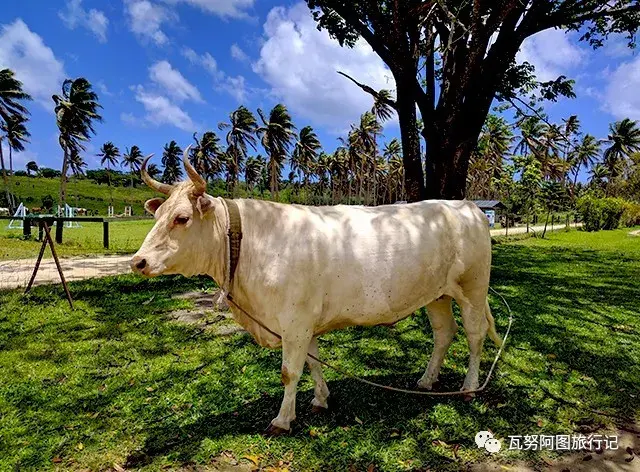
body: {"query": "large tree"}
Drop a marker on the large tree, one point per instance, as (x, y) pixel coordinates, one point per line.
(11, 110)
(305, 155)
(76, 112)
(171, 162)
(241, 132)
(276, 133)
(133, 159)
(109, 155)
(452, 58)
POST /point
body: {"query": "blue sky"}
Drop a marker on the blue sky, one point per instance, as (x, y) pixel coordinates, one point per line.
(166, 68)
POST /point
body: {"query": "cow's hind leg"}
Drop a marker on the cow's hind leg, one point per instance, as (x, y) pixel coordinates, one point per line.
(294, 352)
(320, 390)
(472, 306)
(444, 329)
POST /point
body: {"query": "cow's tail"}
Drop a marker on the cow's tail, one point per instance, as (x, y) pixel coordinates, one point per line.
(493, 334)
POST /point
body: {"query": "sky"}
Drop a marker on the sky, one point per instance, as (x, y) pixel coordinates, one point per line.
(164, 69)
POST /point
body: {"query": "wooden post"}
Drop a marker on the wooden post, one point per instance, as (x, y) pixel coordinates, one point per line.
(40, 230)
(47, 239)
(26, 228)
(59, 227)
(105, 234)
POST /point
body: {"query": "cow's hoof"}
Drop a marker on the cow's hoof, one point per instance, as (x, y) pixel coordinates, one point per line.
(318, 410)
(274, 431)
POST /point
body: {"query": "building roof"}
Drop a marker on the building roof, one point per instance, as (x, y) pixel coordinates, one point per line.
(489, 204)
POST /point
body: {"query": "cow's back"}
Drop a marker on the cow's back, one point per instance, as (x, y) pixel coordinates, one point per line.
(353, 263)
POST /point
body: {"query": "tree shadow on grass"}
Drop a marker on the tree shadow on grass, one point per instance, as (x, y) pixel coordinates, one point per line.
(574, 348)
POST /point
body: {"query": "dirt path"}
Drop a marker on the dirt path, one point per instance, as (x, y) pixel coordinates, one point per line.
(16, 273)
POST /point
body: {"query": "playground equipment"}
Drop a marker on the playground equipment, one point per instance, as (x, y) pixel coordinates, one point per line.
(21, 212)
(68, 212)
(127, 211)
(110, 211)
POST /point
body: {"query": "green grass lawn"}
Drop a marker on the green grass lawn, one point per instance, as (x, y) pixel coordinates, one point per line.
(125, 237)
(81, 193)
(116, 382)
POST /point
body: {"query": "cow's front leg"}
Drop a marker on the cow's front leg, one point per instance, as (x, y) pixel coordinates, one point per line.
(295, 346)
(320, 389)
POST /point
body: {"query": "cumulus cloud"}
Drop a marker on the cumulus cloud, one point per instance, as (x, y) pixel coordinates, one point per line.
(238, 54)
(551, 53)
(146, 19)
(299, 63)
(621, 97)
(234, 86)
(33, 62)
(222, 8)
(164, 75)
(160, 110)
(94, 20)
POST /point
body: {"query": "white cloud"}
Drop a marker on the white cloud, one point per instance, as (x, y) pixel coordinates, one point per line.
(222, 8)
(160, 110)
(234, 86)
(102, 87)
(33, 62)
(238, 53)
(552, 54)
(173, 82)
(146, 19)
(300, 63)
(94, 20)
(621, 97)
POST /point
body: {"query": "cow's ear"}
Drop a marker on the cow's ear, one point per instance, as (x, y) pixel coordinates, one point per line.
(204, 203)
(152, 205)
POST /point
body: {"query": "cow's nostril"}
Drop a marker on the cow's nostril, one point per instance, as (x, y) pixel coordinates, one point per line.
(142, 264)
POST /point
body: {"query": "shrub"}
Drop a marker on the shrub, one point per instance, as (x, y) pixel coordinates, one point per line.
(607, 213)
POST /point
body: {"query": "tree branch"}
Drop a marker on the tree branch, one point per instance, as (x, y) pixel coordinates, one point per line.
(371, 91)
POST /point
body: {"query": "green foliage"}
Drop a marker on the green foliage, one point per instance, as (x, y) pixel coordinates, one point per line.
(602, 213)
(47, 202)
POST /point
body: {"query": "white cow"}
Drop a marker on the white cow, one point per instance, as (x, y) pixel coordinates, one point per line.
(304, 271)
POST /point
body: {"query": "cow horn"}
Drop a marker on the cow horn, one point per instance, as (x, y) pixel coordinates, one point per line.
(154, 184)
(199, 183)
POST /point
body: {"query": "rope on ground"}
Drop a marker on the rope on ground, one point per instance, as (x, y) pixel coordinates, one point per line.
(397, 389)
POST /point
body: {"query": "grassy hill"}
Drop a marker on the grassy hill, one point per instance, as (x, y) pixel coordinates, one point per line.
(81, 193)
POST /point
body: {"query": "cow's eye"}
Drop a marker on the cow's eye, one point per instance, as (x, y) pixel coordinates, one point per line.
(181, 220)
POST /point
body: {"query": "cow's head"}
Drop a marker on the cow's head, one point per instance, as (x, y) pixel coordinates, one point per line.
(180, 241)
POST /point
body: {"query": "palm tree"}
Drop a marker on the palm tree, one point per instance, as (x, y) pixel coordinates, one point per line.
(486, 163)
(11, 109)
(623, 140)
(133, 159)
(362, 143)
(153, 171)
(171, 163)
(241, 128)
(305, 154)
(15, 131)
(76, 111)
(584, 155)
(76, 164)
(205, 156)
(253, 172)
(393, 154)
(599, 175)
(108, 155)
(31, 167)
(276, 135)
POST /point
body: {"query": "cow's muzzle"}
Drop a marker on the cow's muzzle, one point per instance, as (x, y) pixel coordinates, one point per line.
(138, 264)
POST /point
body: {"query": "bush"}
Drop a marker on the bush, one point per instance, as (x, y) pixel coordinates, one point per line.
(607, 213)
(631, 214)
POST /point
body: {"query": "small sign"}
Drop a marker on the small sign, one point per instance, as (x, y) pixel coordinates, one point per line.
(491, 217)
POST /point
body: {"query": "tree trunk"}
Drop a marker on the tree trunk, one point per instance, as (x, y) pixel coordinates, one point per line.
(412, 161)
(447, 163)
(544, 231)
(63, 178)
(10, 159)
(5, 179)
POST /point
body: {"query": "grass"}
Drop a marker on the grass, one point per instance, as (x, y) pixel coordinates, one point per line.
(125, 237)
(82, 193)
(116, 382)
